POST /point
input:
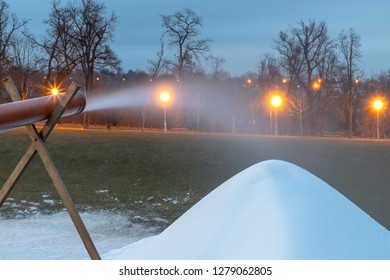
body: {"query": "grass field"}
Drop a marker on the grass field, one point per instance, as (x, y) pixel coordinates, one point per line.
(155, 176)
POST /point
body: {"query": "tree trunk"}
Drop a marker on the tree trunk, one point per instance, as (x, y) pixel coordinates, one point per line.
(350, 120)
(300, 123)
(143, 116)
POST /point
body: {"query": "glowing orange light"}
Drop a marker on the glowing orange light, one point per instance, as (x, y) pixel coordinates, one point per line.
(284, 81)
(378, 104)
(276, 101)
(54, 91)
(165, 96)
(317, 84)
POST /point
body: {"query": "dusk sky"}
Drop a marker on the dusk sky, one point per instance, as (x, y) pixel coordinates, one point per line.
(241, 31)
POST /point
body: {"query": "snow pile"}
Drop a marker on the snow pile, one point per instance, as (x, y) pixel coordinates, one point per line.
(272, 210)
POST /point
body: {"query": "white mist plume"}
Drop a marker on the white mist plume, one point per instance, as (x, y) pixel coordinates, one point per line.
(133, 97)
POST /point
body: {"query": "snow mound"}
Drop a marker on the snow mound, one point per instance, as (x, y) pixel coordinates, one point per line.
(272, 210)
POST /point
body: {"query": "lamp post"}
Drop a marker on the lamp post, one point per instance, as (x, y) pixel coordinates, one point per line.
(378, 105)
(276, 102)
(164, 98)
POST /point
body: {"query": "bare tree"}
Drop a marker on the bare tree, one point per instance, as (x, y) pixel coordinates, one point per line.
(158, 65)
(298, 105)
(9, 25)
(27, 64)
(291, 60)
(91, 31)
(313, 40)
(182, 31)
(302, 49)
(349, 43)
(217, 68)
(63, 57)
(268, 72)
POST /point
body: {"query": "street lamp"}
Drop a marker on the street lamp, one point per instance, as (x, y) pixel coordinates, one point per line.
(54, 91)
(276, 102)
(164, 98)
(378, 105)
(317, 84)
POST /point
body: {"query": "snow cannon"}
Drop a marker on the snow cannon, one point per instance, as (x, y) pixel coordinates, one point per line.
(34, 110)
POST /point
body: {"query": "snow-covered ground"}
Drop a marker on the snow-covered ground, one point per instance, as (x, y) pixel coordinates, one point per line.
(272, 210)
(54, 237)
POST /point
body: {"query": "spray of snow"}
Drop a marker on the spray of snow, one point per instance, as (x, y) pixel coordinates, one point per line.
(137, 96)
(116, 100)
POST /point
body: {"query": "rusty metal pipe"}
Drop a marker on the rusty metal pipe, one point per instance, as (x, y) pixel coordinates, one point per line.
(30, 111)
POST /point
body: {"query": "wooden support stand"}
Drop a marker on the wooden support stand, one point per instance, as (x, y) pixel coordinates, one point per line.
(38, 146)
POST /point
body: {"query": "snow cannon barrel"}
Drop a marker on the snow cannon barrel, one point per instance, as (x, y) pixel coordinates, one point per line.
(30, 111)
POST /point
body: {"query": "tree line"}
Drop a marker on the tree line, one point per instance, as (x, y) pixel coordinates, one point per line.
(325, 92)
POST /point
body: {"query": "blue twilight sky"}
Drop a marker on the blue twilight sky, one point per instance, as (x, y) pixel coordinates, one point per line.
(241, 31)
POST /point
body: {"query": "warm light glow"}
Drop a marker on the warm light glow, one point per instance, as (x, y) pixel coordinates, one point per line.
(284, 81)
(317, 84)
(54, 91)
(249, 81)
(165, 96)
(378, 104)
(276, 101)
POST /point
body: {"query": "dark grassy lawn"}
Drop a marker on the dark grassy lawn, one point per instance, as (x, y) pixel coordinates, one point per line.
(157, 176)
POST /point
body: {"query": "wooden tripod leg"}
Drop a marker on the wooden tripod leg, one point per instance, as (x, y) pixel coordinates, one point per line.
(17, 173)
(64, 195)
(39, 146)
